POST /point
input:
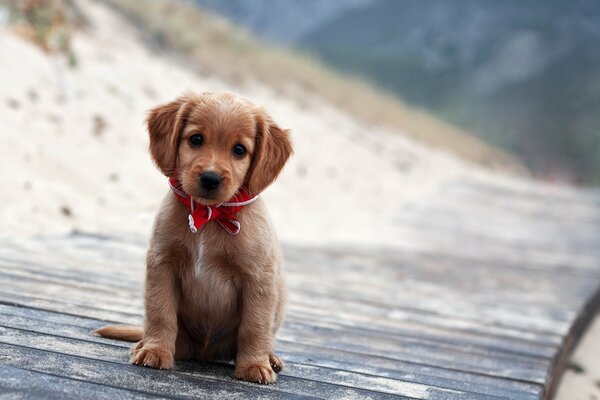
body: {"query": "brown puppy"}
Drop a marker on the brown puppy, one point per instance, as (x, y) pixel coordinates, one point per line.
(213, 295)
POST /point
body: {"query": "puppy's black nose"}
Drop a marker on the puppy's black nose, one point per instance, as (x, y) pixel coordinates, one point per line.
(210, 180)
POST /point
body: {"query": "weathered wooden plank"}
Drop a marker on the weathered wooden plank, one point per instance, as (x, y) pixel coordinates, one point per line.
(71, 294)
(24, 384)
(427, 350)
(79, 296)
(524, 368)
(297, 283)
(163, 383)
(103, 277)
(293, 253)
(70, 308)
(411, 371)
(79, 328)
(13, 298)
(484, 297)
(18, 280)
(538, 318)
(424, 333)
(417, 351)
(421, 359)
(385, 262)
(370, 312)
(491, 304)
(26, 339)
(531, 317)
(379, 264)
(69, 352)
(513, 310)
(421, 280)
(492, 343)
(297, 368)
(116, 295)
(447, 244)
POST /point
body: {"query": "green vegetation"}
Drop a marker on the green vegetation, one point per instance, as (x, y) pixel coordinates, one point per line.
(47, 23)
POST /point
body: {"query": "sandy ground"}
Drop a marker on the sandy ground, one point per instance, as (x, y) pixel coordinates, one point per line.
(581, 381)
(74, 153)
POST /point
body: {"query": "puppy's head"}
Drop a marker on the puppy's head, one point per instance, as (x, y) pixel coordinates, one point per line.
(217, 143)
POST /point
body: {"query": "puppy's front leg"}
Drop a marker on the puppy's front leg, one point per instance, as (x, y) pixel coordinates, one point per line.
(157, 348)
(255, 337)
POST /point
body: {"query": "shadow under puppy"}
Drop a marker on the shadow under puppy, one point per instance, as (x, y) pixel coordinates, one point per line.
(214, 286)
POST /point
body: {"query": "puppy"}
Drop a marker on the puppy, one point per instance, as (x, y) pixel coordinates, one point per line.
(214, 286)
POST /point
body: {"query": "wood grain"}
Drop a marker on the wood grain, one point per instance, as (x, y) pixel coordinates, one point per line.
(485, 296)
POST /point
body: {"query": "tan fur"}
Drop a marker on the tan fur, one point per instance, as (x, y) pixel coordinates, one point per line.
(128, 333)
(211, 295)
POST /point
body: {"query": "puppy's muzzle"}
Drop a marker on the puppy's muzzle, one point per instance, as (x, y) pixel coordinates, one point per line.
(210, 181)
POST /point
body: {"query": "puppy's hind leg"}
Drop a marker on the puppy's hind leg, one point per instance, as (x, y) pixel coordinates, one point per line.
(184, 346)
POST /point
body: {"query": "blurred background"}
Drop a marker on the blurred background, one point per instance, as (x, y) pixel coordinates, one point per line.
(387, 100)
(424, 91)
(519, 75)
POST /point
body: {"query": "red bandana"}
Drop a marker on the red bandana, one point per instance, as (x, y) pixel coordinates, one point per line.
(223, 213)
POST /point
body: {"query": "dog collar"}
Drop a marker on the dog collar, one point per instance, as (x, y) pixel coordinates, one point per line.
(223, 213)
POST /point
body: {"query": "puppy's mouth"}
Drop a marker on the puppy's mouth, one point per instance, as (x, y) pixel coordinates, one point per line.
(207, 198)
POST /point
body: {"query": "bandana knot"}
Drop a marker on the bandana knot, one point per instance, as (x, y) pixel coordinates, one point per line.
(223, 213)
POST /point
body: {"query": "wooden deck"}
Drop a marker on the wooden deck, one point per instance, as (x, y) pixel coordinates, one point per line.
(485, 299)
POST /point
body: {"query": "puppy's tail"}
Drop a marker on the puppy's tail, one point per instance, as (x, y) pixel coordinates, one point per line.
(128, 333)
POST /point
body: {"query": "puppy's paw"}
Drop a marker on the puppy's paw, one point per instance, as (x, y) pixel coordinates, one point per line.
(257, 373)
(136, 347)
(276, 363)
(153, 356)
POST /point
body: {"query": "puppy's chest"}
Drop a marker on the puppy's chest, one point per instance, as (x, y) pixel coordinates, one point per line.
(211, 285)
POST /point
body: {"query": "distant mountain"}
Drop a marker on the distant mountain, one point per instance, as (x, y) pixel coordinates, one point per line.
(524, 75)
(282, 21)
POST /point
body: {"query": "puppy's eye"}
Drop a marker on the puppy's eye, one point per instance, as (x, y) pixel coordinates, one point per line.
(239, 150)
(196, 139)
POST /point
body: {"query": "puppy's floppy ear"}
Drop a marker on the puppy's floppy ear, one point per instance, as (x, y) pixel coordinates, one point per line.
(165, 124)
(272, 149)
